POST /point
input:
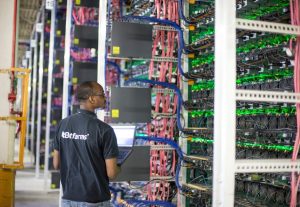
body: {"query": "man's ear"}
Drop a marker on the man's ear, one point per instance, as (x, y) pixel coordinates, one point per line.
(91, 99)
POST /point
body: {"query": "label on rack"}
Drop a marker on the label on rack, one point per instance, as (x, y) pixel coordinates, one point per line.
(76, 41)
(74, 80)
(58, 33)
(28, 54)
(39, 27)
(33, 43)
(49, 4)
(77, 2)
(115, 113)
(116, 50)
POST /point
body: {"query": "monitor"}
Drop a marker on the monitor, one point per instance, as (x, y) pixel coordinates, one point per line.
(125, 135)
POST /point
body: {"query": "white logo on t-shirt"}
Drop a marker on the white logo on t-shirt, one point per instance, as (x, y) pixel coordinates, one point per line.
(68, 135)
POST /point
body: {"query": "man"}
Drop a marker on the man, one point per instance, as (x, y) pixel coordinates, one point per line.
(86, 150)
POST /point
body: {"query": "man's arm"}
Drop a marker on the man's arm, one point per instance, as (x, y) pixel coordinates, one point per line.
(56, 160)
(111, 168)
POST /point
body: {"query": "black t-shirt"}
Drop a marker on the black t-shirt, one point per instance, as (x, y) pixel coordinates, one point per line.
(84, 142)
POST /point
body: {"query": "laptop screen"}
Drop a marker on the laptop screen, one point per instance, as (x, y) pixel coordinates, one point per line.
(125, 135)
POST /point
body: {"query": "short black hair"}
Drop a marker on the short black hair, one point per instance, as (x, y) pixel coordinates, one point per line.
(85, 90)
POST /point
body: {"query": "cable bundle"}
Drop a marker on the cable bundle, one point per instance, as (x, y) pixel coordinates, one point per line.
(84, 54)
(85, 16)
(163, 163)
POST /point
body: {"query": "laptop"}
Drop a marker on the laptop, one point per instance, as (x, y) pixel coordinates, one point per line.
(125, 138)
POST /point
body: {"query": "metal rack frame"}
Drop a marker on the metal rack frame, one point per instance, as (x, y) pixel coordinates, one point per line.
(225, 164)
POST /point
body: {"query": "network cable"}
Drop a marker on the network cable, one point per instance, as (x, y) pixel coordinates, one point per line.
(166, 85)
(178, 151)
(181, 47)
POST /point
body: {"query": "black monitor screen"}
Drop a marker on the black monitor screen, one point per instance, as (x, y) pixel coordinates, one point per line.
(131, 40)
(130, 105)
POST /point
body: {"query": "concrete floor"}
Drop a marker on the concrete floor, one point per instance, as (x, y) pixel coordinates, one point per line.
(36, 199)
(32, 190)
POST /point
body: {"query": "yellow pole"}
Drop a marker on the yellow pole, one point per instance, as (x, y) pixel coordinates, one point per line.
(23, 123)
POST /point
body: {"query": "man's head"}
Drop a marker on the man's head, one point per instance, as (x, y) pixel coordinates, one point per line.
(91, 96)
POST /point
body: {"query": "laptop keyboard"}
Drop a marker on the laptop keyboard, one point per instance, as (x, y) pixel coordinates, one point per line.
(122, 153)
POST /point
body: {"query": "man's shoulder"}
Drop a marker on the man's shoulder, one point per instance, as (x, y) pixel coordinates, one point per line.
(69, 117)
(103, 125)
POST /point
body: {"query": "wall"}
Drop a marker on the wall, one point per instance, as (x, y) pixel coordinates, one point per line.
(6, 38)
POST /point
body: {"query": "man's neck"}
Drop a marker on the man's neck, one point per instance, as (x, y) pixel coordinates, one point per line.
(87, 108)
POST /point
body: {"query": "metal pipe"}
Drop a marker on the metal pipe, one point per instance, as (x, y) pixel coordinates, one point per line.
(40, 94)
(65, 103)
(225, 105)
(29, 65)
(102, 48)
(49, 92)
(33, 100)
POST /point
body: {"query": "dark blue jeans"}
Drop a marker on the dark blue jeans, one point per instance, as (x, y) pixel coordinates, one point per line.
(68, 203)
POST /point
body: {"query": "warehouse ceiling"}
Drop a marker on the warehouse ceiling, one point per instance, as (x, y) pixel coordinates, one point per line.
(27, 16)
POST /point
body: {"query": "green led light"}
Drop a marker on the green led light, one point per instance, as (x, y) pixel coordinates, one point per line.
(202, 140)
(267, 41)
(261, 77)
(277, 6)
(204, 59)
(251, 14)
(204, 85)
(196, 9)
(135, 63)
(277, 110)
(195, 36)
(272, 147)
(141, 135)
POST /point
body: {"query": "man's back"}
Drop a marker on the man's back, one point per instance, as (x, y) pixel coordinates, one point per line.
(84, 142)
